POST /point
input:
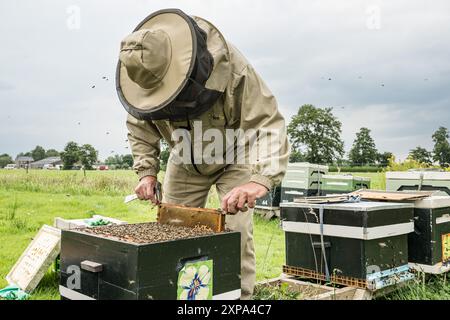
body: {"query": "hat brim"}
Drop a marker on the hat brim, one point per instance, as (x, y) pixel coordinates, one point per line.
(181, 62)
(184, 48)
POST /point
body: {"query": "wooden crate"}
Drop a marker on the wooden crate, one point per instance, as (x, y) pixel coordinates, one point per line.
(319, 291)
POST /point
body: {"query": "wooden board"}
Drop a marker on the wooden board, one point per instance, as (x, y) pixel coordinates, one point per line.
(392, 196)
(322, 199)
(191, 217)
(36, 259)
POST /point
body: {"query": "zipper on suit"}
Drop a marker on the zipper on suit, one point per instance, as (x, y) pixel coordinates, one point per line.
(189, 128)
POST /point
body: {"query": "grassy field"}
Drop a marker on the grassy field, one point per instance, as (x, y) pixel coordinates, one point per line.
(27, 201)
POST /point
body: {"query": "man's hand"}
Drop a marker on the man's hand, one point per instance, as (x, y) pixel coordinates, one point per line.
(236, 199)
(145, 190)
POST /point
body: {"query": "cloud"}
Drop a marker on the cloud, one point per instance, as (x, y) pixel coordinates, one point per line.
(4, 86)
(394, 79)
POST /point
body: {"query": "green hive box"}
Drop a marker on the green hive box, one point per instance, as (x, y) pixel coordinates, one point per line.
(302, 180)
(339, 184)
(418, 180)
(366, 241)
(429, 244)
(129, 271)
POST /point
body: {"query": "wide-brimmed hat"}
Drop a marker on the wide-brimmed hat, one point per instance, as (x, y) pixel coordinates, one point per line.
(156, 61)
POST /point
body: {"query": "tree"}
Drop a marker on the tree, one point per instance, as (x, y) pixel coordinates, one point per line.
(421, 155)
(88, 156)
(296, 156)
(164, 155)
(70, 155)
(316, 133)
(38, 153)
(5, 159)
(120, 161)
(364, 151)
(127, 161)
(441, 147)
(24, 154)
(385, 158)
(51, 153)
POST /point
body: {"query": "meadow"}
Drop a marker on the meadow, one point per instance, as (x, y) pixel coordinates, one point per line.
(29, 200)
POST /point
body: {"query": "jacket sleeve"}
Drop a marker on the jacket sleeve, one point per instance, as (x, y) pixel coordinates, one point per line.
(144, 139)
(259, 111)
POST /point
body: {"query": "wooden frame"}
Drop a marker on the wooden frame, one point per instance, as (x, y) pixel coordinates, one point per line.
(189, 217)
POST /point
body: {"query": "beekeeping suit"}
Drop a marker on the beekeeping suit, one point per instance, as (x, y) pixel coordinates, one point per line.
(181, 81)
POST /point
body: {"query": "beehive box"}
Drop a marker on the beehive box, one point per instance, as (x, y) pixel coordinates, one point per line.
(418, 180)
(129, 267)
(302, 180)
(365, 244)
(429, 244)
(339, 184)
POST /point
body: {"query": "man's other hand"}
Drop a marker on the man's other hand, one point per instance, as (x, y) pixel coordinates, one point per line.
(236, 199)
(145, 190)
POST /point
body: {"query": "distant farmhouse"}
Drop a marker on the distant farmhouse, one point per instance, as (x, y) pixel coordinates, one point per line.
(23, 161)
(50, 162)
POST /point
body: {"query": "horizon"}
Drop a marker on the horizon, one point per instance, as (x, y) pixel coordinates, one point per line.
(380, 65)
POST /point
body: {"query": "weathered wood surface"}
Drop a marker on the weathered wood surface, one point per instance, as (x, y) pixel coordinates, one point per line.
(392, 196)
(36, 259)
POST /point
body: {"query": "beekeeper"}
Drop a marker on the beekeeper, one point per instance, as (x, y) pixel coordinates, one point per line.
(181, 81)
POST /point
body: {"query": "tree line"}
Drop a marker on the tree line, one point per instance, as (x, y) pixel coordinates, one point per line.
(74, 156)
(315, 135)
(38, 153)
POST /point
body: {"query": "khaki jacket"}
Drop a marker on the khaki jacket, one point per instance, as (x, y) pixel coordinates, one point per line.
(247, 103)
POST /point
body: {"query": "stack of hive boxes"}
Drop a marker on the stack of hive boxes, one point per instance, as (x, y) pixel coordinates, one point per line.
(418, 180)
(302, 180)
(361, 244)
(339, 184)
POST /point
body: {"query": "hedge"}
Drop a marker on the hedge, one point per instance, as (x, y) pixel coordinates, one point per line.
(356, 169)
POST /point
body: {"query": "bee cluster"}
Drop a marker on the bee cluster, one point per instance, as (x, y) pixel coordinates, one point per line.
(151, 232)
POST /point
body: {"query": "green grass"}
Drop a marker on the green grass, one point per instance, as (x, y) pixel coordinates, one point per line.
(27, 201)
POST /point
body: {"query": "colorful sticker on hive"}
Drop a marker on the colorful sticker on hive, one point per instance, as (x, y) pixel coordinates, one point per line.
(446, 248)
(195, 281)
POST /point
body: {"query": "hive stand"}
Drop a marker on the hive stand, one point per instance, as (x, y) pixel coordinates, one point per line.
(320, 291)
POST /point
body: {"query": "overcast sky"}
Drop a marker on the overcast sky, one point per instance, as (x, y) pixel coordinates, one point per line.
(388, 62)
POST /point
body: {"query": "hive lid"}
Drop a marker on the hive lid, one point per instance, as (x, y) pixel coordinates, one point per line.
(337, 177)
(357, 206)
(433, 202)
(299, 165)
(361, 178)
(436, 176)
(417, 175)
